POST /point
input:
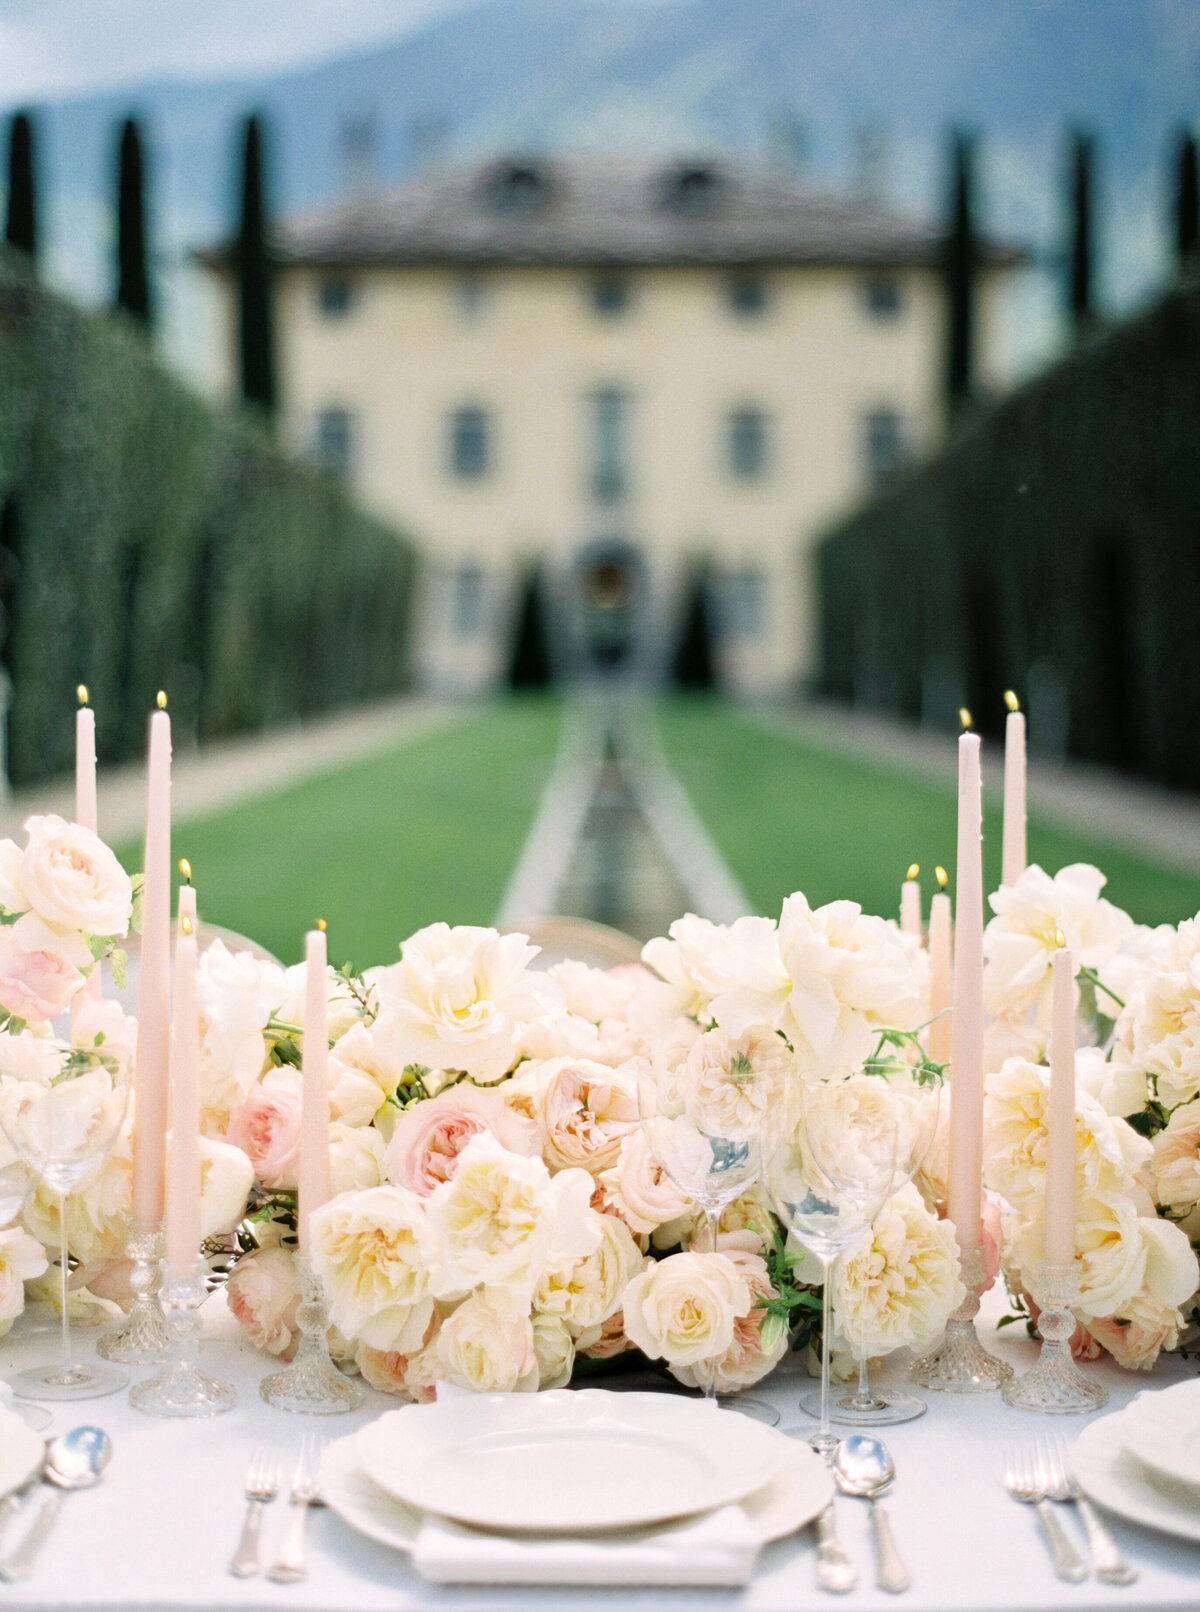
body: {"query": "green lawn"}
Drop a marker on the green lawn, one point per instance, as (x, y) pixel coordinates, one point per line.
(428, 830)
(788, 816)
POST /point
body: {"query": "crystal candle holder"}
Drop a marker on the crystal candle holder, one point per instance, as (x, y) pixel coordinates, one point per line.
(181, 1388)
(1056, 1386)
(311, 1384)
(960, 1364)
(142, 1339)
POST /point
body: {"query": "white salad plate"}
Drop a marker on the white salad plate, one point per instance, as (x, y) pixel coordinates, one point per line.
(569, 1460)
(1162, 1428)
(799, 1491)
(22, 1451)
(1112, 1476)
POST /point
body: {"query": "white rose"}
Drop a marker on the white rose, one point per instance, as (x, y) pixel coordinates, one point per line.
(848, 1129)
(355, 1158)
(586, 1110)
(1020, 941)
(69, 877)
(736, 1086)
(899, 1285)
(369, 1250)
(1158, 1032)
(486, 1347)
(22, 1258)
(361, 1078)
(1176, 1163)
(237, 993)
(1172, 1274)
(639, 1190)
(1110, 1254)
(746, 1361)
(554, 1348)
(683, 1309)
(703, 961)
(451, 1000)
(226, 1177)
(592, 993)
(501, 1220)
(586, 1291)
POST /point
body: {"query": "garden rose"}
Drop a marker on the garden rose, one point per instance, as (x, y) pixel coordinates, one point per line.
(1137, 1337)
(266, 1126)
(369, 1250)
(898, 1286)
(1176, 1162)
(489, 1348)
(40, 970)
(429, 1136)
(103, 1025)
(745, 1361)
(605, 1341)
(238, 993)
(586, 1111)
(261, 1293)
(1021, 939)
(28, 1057)
(70, 878)
(683, 1308)
(21, 1258)
(586, 1291)
(554, 1349)
(355, 1158)
(639, 1190)
(736, 1086)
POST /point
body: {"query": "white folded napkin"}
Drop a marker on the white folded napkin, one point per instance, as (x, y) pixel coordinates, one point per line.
(718, 1550)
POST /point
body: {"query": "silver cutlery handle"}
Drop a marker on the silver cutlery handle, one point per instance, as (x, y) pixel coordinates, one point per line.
(835, 1570)
(890, 1571)
(18, 1564)
(245, 1558)
(1107, 1562)
(1068, 1563)
(291, 1565)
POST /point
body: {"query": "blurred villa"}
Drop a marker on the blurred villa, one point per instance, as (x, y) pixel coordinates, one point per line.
(619, 371)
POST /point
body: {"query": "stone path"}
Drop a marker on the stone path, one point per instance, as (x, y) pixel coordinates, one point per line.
(239, 769)
(1153, 822)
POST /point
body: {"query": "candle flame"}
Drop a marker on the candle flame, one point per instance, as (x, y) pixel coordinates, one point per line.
(322, 925)
(185, 924)
(185, 867)
(913, 869)
(1011, 700)
(160, 699)
(81, 693)
(1060, 940)
(964, 716)
(943, 878)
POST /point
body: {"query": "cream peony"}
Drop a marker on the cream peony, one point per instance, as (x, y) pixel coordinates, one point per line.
(736, 1086)
(1158, 1033)
(586, 1291)
(745, 1361)
(226, 1180)
(261, 1292)
(639, 1190)
(730, 972)
(489, 1348)
(586, 1111)
(684, 1308)
(1021, 939)
(361, 1078)
(69, 877)
(451, 1000)
(899, 1285)
(428, 1137)
(503, 1220)
(1176, 1162)
(369, 1250)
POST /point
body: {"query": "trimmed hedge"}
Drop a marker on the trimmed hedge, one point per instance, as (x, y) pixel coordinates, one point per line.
(1055, 543)
(153, 542)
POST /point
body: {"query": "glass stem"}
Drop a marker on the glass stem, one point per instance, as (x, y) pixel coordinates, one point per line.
(65, 1345)
(712, 1219)
(824, 1441)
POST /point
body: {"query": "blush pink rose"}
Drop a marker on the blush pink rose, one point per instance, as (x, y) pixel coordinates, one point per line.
(428, 1137)
(36, 983)
(611, 1340)
(261, 1292)
(266, 1126)
(993, 1240)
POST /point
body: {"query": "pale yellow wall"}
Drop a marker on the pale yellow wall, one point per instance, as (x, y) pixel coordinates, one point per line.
(816, 361)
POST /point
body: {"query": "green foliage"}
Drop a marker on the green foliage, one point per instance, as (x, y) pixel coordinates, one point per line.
(1052, 546)
(152, 542)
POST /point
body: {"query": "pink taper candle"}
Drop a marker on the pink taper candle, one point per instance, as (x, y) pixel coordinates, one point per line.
(154, 985)
(1059, 1224)
(85, 805)
(940, 943)
(1013, 855)
(966, 1030)
(183, 1178)
(910, 904)
(314, 1089)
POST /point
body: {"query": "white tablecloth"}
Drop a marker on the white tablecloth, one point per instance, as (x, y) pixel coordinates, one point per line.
(159, 1531)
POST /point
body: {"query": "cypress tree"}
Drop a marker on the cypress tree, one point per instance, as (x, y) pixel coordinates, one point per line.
(695, 659)
(960, 266)
(133, 272)
(256, 325)
(1187, 205)
(529, 666)
(1080, 288)
(20, 227)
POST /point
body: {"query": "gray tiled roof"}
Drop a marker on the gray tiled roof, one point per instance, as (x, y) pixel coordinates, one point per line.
(604, 211)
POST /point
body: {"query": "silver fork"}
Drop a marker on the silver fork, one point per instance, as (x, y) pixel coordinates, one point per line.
(291, 1565)
(1107, 1562)
(262, 1485)
(1024, 1483)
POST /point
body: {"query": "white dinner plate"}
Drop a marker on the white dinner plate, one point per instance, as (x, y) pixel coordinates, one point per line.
(22, 1451)
(569, 1460)
(799, 1491)
(1162, 1428)
(1113, 1477)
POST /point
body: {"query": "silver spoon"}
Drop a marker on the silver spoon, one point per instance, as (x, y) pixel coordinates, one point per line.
(74, 1460)
(864, 1468)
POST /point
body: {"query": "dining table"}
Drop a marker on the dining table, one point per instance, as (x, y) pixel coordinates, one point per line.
(159, 1530)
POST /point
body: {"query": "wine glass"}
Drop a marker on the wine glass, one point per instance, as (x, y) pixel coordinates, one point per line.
(711, 1149)
(63, 1130)
(828, 1176)
(917, 1110)
(14, 1189)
